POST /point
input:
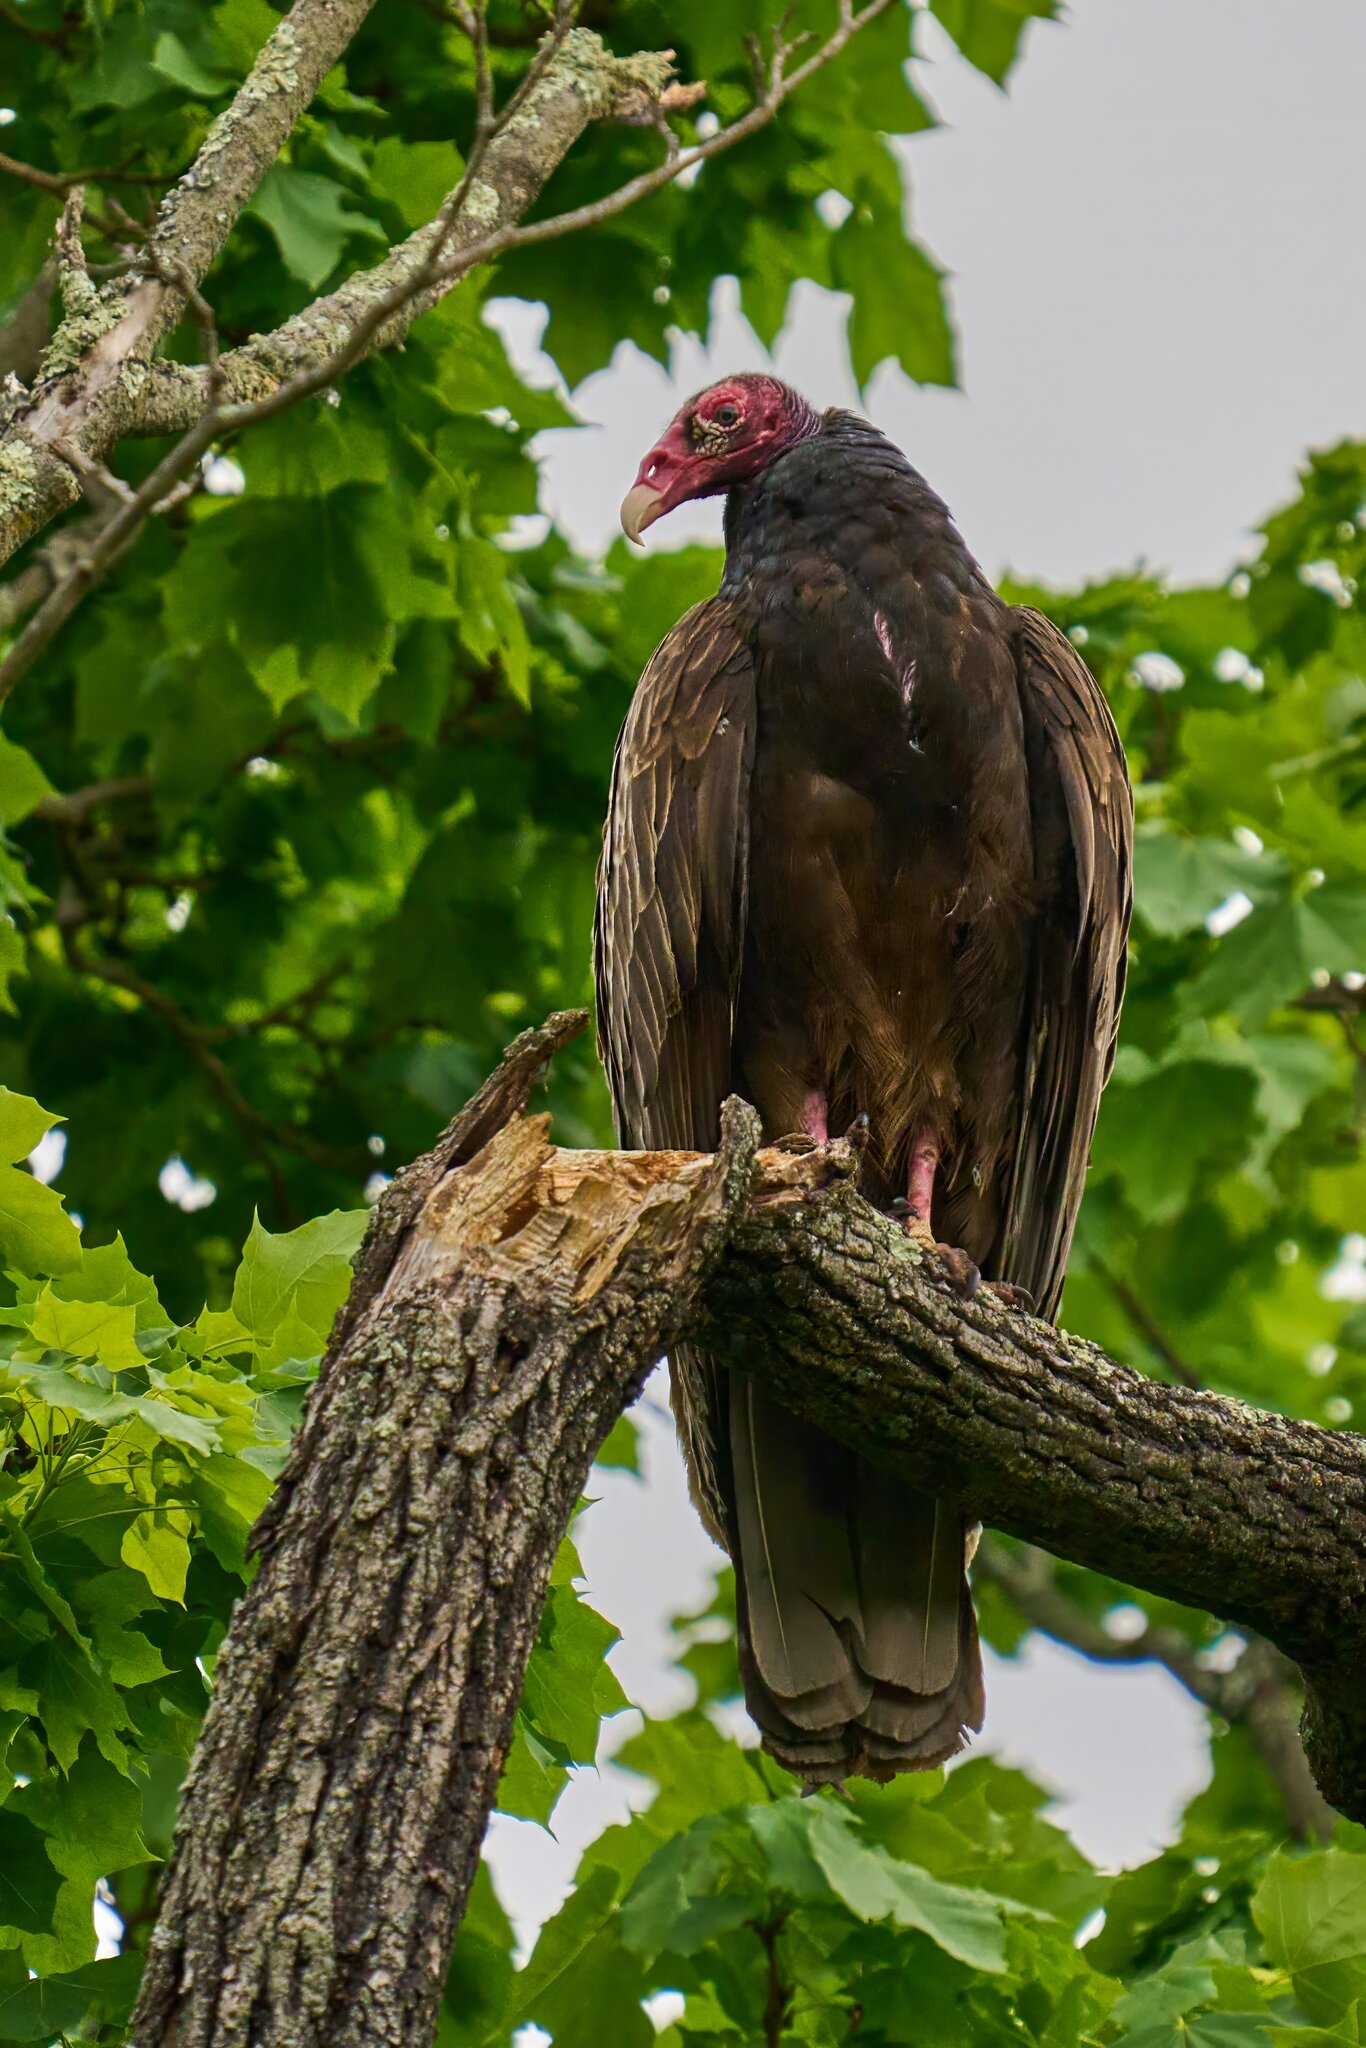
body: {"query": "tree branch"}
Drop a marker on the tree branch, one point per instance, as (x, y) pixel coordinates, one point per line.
(96, 371)
(1256, 1691)
(1255, 1517)
(113, 390)
(24, 334)
(508, 1302)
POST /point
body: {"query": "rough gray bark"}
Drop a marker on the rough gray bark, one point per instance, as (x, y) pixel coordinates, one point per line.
(506, 1307)
(507, 1304)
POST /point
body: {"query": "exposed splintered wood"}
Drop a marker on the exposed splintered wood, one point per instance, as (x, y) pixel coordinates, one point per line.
(508, 1302)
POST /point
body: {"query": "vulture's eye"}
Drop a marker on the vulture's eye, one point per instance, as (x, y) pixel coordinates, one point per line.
(727, 415)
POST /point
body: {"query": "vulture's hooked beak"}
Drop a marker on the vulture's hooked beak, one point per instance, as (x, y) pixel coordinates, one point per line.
(641, 506)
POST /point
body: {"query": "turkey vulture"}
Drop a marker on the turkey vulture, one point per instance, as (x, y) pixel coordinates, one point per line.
(867, 855)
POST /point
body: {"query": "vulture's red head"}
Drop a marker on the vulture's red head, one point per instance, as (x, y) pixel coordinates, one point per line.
(723, 437)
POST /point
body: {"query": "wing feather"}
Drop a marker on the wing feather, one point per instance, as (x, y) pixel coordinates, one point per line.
(672, 883)
(1082, 813)
(669, 941)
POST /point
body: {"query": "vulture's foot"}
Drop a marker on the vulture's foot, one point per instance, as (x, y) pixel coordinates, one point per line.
(956, 1269)
(1011, 1296)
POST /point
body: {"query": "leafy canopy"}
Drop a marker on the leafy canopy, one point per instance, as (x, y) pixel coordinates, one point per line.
(339, 745)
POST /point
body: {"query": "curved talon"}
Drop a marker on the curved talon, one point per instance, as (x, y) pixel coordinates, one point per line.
(956, 1270)
(1011, 1296)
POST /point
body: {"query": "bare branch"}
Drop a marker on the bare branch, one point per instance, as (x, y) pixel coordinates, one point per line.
(555, 110)
(100, 551)
(121, 512)
(1258, 1518)
(1143, 1321)
(61, 182)
(482, 219)
(508, 1301)
(376, 308)
(74, 808)
(259, 1129)
(1258, 1690)
(97, 370)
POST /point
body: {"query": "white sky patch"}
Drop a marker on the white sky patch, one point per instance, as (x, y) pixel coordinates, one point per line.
(178, 913)
(833, 208)
(7, 115)
(1327, 578)
(1156, 671)
(523, 530)
(1248, 841)
(1229, 913)
(46, 1159)
(1231, 665)
(1126, 1623)
(375, 1186)
(185, 1190)
(108, 1925)
(1222, 1655)
(1345, 1279)
(1321, 1360)
(223, 478)
(1090, 1928)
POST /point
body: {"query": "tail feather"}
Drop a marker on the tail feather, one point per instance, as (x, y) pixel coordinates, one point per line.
(858, 1644)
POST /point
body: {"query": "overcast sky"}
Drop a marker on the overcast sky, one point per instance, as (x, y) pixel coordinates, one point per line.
(1158, 278)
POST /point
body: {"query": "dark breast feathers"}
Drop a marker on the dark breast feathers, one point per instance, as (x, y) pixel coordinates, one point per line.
(867, 852)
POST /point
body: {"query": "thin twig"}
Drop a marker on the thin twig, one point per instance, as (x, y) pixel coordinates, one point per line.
(1256, 1691)
(61, 182)
(777, 1995)
(125, 511)
(75, 808)
(1144, 1321)
(196, 1042)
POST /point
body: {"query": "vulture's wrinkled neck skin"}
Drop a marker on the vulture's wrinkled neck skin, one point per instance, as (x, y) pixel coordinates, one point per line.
(801, 504)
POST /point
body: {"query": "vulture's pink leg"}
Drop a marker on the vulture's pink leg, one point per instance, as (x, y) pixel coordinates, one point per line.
(815, 1116)
(924, 1166)
(958, 1269)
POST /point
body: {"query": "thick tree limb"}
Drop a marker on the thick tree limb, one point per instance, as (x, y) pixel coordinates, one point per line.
(507, 1304)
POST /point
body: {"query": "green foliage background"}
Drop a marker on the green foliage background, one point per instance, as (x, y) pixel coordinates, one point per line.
(348, 741)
